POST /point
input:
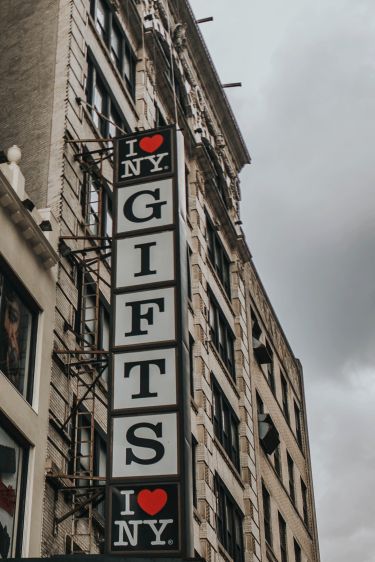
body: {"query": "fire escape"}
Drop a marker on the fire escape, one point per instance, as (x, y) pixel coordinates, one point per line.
(87, 362)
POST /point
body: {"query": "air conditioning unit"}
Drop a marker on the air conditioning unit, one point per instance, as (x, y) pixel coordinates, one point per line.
(261, 352)
(268, 434)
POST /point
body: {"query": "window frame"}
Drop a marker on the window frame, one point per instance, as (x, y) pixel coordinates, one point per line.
(297, 551)
(267, 514)
(127, 58)
(24, 445)
(111, 106)
(277, 462)
(298, 424)
(23, 294)
(228, 437)
(270, 368)
(220, 326)
(218, 257)
(283, 539)
(291, 480)
(305, 508)
(284, 395)
(229, 531)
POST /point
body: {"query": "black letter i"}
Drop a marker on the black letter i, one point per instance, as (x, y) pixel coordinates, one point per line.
(145, 259)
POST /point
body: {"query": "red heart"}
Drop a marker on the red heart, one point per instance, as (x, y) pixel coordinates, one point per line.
(152, 501)
(150, 144)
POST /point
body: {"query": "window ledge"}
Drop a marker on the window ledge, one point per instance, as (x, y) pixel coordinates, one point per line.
(25, 222)
(224, 553)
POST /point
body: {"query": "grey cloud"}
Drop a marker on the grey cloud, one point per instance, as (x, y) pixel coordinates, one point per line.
(307, 112)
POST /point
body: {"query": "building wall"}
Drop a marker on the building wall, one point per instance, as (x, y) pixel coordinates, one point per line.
(278, 485)
(21, 251)
(28, 42)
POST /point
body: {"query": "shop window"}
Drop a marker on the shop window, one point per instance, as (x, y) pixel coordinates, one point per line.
(18, 326)
(226, 424)
(229, 520)
(13, 470)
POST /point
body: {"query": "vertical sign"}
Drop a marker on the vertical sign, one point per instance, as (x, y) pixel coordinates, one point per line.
(149, 488)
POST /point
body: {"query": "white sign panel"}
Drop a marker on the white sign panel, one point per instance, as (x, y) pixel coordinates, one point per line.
(149, 205)
(145, 316)
(144, 378)
(145, 259)
(145, 445)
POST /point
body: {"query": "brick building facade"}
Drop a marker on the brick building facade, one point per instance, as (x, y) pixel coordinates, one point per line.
(77, 73)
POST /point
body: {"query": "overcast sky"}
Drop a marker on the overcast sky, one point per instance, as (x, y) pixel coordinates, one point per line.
(306, 109)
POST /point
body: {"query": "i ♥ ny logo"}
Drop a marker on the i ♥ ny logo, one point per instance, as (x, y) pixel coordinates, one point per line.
(152, 501)
(151, 144)
(144, 155)
(145, 518)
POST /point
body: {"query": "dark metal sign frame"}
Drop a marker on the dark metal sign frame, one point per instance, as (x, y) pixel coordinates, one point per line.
(156, 514)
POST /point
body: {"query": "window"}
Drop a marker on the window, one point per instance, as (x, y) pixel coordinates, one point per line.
(96, 201)
(104, 321)
(270, 369)
(218, 257)
(159, 119)
(222, 336)
(297, 552)
(260, 405)
(225, 424)
(83, 436)
(13, 471)
(291, 478)
(284, 392)
(118, 45)
(277, 461)
(297, 417)
(267, 515)
(100, 465)
(188, 259)
(283, 544)
(194, 445)
(229, 522)
(191, 364)
(255, 328)
(99, 96)
(304, 503)
(18, 327)
(100, 17)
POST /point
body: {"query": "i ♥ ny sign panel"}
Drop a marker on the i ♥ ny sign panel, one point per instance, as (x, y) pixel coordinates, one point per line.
(149, 492)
